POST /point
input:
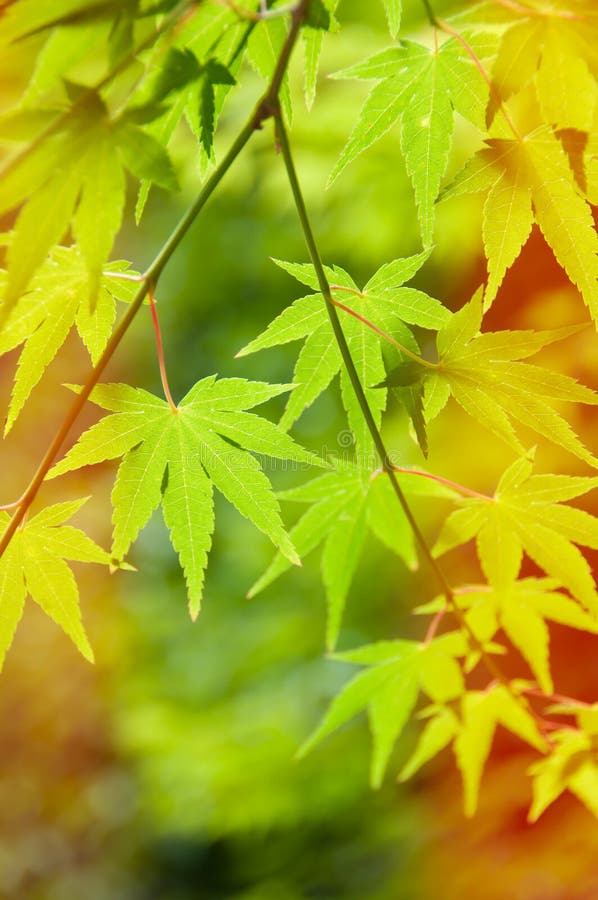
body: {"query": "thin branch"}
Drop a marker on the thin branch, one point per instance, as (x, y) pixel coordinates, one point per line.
(283, 143)
(263, 110)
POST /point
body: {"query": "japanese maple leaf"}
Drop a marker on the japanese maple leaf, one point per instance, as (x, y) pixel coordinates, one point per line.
(485, 375)
(389, 687)
(553, 45)
(34, 563)
(420, 87)
(57, 300)
(521, 609)
(77, 175)
(471, 730)
(572, 764)
(343, 506)
(176, 456)
(526, 514)
(384, 302)
(527, 178)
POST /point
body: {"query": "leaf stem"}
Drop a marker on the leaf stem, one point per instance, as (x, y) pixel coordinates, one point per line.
(262, 14)
(538, 13)
(558, 698)
(263, 110)
(461, 489)
(125, 276)
(6, 507)
(383, 334)
(433, 626)
(160, 349)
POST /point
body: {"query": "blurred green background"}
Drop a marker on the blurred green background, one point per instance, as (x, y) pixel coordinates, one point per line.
(168, 771)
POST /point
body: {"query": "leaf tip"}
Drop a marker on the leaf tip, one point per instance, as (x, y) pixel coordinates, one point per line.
(194, 610)
(85, 649)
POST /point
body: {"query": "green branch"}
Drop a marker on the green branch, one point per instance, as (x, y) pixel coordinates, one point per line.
(430, 13)
(387, 466)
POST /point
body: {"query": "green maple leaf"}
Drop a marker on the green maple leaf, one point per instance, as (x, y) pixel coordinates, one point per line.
(388, 689)
(528, 178)
(55, 60)
(182, 74)
(420, 88)
(344, 505)
(57, 299)
(383, 301)
(194, 81)
(35, 564)
(572, 764)
(77, 176)
(526, 514)
(485, 375)
(521, 609)
(204, 442)
(441, 729)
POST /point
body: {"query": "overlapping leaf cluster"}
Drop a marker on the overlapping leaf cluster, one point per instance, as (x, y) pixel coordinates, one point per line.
(525, 74)
(112, 85)
(71, 142)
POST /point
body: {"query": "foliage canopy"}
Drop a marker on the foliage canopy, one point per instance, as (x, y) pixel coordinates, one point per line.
(111, 85)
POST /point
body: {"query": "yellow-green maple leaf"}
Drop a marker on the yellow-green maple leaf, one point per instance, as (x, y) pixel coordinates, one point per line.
(389, 687)
(522, 609)
(471, 730)
(485, 375)
(527, 177)
(35, 564)
(555, 45)
(572, 765)
(526, 514)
